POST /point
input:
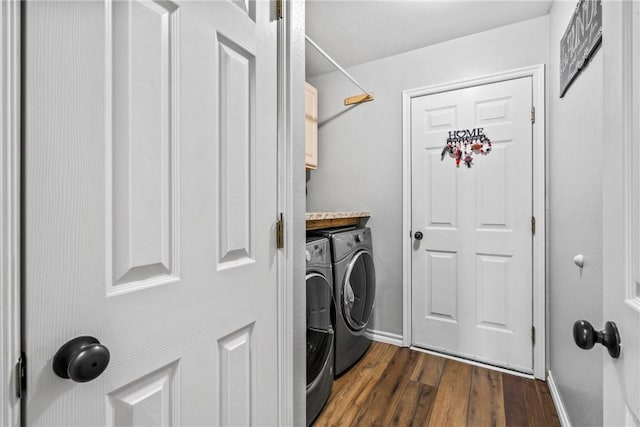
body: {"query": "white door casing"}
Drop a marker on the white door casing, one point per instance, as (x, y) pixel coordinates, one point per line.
(291, 202)
(150, 199)
(477, 233)
(10, 158)
(621, 210)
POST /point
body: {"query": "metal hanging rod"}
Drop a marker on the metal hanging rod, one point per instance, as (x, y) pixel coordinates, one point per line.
(357, 99)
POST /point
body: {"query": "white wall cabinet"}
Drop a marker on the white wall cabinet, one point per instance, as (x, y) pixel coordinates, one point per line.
(311, 126)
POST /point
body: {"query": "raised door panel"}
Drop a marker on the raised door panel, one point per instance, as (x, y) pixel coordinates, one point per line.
(441, 119)
(236, 153)
(440, 199)
(491, 187)
(492, 295)
(441, 286)
(247, 6)
(152, 400)
(435, 205)
(237, 378)
(142, 145)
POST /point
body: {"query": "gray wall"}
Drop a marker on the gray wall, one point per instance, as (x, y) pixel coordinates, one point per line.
(360, 148)
(574, 151)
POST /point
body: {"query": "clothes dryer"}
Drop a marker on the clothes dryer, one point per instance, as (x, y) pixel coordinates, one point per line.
(320, 325)
(354, 284)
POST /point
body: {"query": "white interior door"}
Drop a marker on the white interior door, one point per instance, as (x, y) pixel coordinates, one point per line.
(472, 270)
(621, 211)
(150, 199)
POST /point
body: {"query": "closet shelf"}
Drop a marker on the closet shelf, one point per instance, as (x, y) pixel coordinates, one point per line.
(350, 100)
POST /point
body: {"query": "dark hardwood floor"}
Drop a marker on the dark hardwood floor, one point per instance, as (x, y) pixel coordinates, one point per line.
(393, 386)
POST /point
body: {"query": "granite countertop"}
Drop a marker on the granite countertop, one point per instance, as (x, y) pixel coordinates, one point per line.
(314, 216)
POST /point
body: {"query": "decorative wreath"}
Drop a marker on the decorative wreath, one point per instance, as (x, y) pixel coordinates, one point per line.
(462, 144)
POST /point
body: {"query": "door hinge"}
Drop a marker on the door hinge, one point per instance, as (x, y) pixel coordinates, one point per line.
(533, 114)
(279, 6)
(280, 232)
(533, 225)
(533, 335)
(21, 376)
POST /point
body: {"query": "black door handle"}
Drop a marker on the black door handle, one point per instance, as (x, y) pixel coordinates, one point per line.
(586, 337)
(81, 359)
(418, 235)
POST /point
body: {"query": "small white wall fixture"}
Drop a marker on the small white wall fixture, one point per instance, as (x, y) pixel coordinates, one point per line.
(537, 73)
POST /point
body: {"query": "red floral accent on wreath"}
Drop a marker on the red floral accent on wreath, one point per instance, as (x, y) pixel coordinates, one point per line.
(463, 144)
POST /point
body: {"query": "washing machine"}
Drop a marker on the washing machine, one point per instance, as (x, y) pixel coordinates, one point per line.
(320, 325)
(354, 289)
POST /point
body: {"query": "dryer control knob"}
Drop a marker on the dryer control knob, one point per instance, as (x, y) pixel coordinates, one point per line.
(307, 255)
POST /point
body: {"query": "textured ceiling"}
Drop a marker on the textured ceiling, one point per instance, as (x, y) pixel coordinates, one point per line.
(357, 31)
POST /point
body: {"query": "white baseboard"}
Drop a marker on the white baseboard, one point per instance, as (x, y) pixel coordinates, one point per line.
(385, 337)
(557, 401)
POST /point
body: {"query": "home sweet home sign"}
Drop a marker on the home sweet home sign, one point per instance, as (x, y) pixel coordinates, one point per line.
(463, 143)
(580, 40)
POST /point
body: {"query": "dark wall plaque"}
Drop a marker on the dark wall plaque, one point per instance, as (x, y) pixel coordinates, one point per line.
(579, 41)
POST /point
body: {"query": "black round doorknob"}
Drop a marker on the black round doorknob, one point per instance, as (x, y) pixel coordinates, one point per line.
(585, 337)
(418, 235)
(81, 359)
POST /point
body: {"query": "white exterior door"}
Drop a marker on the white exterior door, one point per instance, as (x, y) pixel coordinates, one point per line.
(150, 202)
(472, 270)
(621, 211)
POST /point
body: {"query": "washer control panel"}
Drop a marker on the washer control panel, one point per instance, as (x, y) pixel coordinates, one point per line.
(317, 252)
(344, 243)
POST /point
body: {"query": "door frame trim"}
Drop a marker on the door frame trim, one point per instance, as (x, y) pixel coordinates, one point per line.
(291, 203)
(537, 73)
(10, 175)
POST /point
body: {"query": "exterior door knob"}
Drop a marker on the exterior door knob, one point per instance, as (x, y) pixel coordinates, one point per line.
(418, 235)
(586, 337)
(81, 359)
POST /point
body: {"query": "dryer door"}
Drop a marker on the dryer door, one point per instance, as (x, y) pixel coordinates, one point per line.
(358, 291)
(319, 325)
